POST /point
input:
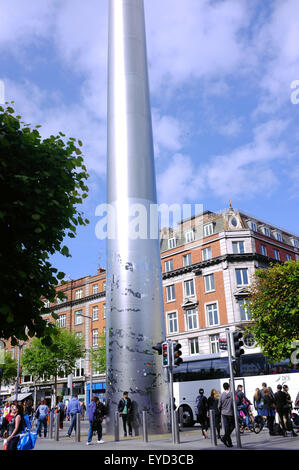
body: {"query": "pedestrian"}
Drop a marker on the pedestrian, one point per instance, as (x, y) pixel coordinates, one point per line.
(288, 410)
(42, 413)
(125, 410)
(15, 427)
(201, 405)
(96, 412)
(258, 401)
(269, 409)
(281, 401)
(73, 408)
(6, 419)
(213, 401)
(243, 403)
(61, 410)
(225, 407)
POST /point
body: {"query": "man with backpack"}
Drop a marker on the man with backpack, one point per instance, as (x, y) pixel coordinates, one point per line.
(201, 405)
(96, 413)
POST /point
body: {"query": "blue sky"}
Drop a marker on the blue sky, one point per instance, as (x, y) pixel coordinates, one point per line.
(220, 75)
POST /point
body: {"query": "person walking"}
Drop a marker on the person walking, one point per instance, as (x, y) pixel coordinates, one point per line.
(15, 427)
(61, 410)
(243, 403)
(258, 401)
(288, 410)
(281, 401)
(95, 418)
(201, 405)
(73, 408)
(225, 407)
(125, 410)
(42, 413)
(269, 409)
(213, 401)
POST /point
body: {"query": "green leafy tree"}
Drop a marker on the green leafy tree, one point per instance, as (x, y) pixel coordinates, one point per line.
(98, 356)
(58, 359)
(274, 308)
(42, 182)
(9, 370)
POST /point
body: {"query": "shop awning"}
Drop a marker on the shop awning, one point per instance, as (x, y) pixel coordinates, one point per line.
(21, 396)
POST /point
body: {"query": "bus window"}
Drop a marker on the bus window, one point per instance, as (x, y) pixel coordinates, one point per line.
(221, 368)
(280, 367)
(253, 364)
(180, 373)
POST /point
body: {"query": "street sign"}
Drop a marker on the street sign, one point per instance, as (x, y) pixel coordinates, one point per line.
(222, 344)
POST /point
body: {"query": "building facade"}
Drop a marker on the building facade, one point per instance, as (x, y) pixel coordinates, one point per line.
(207, 266)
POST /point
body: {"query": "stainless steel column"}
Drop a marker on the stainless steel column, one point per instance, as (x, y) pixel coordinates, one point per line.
(134, 286)
(213, 427)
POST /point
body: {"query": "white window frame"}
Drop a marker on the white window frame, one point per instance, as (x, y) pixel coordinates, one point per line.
(214, 343)
(238, 247)
(187, 257)
(263, 250)
(47, 304)
(193, 344)
(95, 312)
(189, 236)
(252, 226)
(276, 254)
(168, 265)
(209, 285)
(288, 257)
(170, 288)
(242, 270)
(241, 302)
(171, 243)
(78, 317)
(95, 288)
(267, 232)
(61, 321)
(208, 229)
(205, 251)
(214, 312)
(189, 282)
(78, 294)
(104, 311)
(172, 322)
(295, 243)
(95, 337)
(191, 317)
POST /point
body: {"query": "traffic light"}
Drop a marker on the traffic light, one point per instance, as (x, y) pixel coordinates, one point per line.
(237, 335)
(165, 354)
(177, 360)
(158, 347)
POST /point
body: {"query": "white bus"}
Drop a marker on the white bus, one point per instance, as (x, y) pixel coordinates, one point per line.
(211, 371)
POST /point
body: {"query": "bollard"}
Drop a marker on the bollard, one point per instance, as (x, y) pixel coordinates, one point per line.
(77, 427)
(176, 428)
(213, 427)
(50, 425)
(144, 426)
(56, 427)
(116, 426)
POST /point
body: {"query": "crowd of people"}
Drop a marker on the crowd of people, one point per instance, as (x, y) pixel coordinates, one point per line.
(266, 403)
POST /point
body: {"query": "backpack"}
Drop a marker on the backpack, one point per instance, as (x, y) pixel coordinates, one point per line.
(200, 404)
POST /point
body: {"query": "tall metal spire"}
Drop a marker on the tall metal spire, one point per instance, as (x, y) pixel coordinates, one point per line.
(134, 287)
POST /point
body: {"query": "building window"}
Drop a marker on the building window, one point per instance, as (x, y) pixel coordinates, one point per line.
(104, 306)
(187, 260)
(206, 253)
(189, 236)
(212, 314)
(295, 242)
(79, 369)
(242, 276)
(172, 320)
(189, 288)
(95, 313)
(170, 293)
(168, 265)
(95, 337)
(79, 294)
(278, 236)
(171, 243)
(193, 346)
(47, 304)
(78, 334)
(249, 341)
(78, 317)
(95, 289)
(276, 254)
(288, 257)
(244, 311)
(61, 321)
(214, 344)
(267, 231)
(252, 226)
(192, 319)
(208, 230)
(238, 247)
(263, 250)
(104, 286)
(12, 352)
(209, 283)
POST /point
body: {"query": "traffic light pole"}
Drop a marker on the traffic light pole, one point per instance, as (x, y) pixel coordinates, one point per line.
(232, 386)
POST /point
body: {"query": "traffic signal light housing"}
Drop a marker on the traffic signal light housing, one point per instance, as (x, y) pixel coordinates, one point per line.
(158, 347)
(177, 360)
(165, 354)
(238, 351)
